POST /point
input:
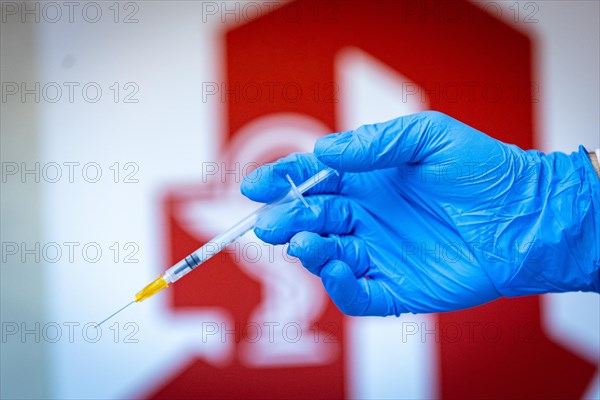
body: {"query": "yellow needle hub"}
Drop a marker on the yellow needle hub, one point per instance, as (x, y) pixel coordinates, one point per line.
(156, 286)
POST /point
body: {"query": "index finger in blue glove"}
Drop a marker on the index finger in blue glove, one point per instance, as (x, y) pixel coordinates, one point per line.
(387, 144)
(356, 297)
(269, 182)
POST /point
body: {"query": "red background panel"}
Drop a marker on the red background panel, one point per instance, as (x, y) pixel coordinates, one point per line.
(433, 44)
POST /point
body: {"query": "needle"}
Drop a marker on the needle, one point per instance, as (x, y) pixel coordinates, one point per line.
(115, 313)
(224, 239)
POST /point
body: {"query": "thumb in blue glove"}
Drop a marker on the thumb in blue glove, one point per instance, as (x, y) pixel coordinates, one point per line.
(432, 215)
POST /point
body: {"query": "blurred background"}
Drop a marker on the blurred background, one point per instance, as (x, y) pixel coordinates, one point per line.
(127, 126)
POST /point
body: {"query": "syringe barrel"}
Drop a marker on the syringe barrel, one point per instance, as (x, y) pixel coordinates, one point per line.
(219, 242)
(212, 247)
(178, 270)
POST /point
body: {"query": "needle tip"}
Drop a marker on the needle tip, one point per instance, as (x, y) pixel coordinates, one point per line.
(115, 313)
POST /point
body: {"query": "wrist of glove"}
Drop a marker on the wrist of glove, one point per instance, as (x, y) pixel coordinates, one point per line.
(563, 253)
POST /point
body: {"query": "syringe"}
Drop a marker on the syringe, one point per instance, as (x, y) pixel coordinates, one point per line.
(221, 241)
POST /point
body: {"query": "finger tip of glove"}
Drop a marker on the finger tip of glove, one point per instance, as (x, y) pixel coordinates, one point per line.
(335, 270)
(247, 189)
(329, 149)
(296, 244)
(323, 144)
(302, 244)
(333, 277)
(261, 234)
(262, 185)
(271, 236)
(270, 228)
(303, 239)
(263, 228)
(253, 188)
(342, 287)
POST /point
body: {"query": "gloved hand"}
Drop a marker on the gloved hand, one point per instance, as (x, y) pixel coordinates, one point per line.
(429, 214)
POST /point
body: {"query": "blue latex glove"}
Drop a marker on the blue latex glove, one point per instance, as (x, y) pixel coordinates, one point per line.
(429, 215)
